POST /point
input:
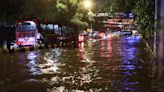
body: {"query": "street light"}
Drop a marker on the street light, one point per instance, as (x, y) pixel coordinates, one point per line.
(88, 4)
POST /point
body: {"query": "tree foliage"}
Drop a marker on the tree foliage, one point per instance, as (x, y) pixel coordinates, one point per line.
(10, 9)
(72, 11)
(145, 21)
(69, 11)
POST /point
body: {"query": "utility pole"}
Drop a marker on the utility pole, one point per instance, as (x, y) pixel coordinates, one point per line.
(161, 49)
(156, 34)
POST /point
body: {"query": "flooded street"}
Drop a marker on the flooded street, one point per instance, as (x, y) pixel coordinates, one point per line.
(119, 64)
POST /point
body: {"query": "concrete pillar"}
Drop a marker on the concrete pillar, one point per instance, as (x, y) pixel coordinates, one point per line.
(161, 49)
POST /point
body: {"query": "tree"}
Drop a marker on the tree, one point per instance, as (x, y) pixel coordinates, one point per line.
(10, 9)
(71, 11)
(65, 11)
(144, 17)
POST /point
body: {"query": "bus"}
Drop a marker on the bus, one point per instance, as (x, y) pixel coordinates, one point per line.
(26, 33)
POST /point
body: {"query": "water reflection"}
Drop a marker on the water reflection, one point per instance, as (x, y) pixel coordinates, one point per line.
(32, 64)
(108, 65)
(106, 48)
(43, 62)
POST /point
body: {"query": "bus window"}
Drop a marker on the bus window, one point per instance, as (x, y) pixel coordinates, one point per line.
(43, 26)
(25, 24)
(50, 26)
(31, 35)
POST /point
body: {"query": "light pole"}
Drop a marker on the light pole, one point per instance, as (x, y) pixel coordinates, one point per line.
(161, 48)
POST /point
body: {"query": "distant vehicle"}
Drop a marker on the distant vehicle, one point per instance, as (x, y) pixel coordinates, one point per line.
(96, 35)
(126, 32)
(26, 33)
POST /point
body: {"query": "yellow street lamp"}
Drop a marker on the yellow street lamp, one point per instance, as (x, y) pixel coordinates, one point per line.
(88, 4)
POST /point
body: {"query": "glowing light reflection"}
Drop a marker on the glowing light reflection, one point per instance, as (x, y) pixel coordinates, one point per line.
(49, 62)
(106, 48)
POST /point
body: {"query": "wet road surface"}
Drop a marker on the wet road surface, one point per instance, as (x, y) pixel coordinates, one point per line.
(121, 64)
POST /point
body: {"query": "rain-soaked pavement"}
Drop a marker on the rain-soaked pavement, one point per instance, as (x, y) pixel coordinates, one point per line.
(113, 65)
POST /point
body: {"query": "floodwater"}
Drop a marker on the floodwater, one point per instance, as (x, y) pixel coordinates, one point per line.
(118, 64)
